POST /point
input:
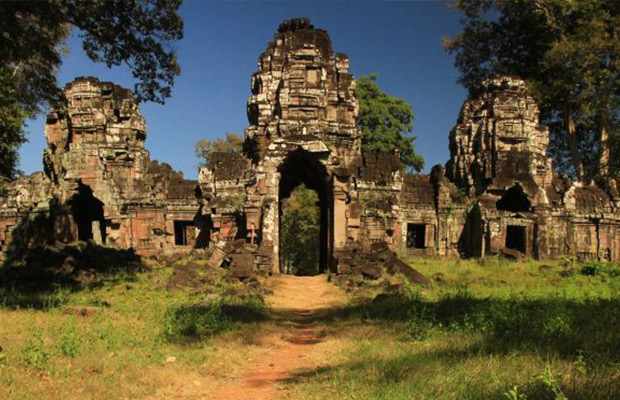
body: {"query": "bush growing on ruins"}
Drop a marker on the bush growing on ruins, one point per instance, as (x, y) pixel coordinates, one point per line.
(232, 144)
(384, 122)
(139, 34)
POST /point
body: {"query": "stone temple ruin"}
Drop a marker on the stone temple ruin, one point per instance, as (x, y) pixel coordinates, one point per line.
(497, 193)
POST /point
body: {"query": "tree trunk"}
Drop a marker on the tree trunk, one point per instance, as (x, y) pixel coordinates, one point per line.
(569, 125)
(605, 152)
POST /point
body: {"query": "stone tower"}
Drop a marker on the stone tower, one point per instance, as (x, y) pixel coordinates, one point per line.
(498, 140)
(302, 113)
(303, 91)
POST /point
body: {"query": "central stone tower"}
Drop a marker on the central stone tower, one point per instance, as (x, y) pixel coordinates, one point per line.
(303, 92)
(302, 113)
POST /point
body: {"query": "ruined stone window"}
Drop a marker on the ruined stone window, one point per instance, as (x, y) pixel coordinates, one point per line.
(516, 238)
(514, 199)
(184, 233)
(416, 236)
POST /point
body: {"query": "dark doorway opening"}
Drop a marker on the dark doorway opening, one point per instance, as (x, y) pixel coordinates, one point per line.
(416, 236)
(300, 174)
(515, 200)
(515, 238)
(88, 214)
(184, 233)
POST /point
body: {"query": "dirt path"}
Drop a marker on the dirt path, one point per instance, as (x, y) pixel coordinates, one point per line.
(295, 304)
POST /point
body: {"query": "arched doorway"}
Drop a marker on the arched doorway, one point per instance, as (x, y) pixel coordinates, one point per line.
(88, 215)
(304, 168)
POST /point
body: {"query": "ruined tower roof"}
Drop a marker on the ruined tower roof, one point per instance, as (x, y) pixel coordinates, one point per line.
(498, 140)
(302, 89)
(293, 24)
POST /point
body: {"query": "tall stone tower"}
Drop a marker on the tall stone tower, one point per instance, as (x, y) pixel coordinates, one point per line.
(302, 113)
(498, 140)
(303, 91)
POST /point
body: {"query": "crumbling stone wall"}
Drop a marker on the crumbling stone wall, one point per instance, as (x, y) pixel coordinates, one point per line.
(99, 181)
(498, 155)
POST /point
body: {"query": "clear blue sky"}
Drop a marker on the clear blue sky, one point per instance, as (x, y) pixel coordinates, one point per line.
(399, 40)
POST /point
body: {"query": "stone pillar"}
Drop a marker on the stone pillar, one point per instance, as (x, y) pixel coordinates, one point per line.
(271, 230)
(96, 228)
(340, 213)
(271, 217)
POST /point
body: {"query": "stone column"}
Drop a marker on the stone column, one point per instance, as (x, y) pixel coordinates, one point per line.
(271, 217)
(340, 213)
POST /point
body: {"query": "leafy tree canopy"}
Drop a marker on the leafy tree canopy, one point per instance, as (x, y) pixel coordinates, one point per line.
(384, 122)
(136, 33)
(300, 227)
(569, 54)
(232, 144)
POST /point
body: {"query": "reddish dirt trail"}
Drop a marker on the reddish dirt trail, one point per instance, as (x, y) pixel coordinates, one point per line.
(296, 303)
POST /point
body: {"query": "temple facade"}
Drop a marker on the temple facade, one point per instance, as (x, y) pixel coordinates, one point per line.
(497, 193)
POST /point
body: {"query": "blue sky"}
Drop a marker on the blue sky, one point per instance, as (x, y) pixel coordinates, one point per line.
(399, 40)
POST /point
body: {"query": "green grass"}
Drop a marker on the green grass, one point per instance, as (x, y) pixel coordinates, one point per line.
(483, 330)
(47, 349)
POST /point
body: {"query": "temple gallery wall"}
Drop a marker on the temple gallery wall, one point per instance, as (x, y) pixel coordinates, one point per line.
(498, 192)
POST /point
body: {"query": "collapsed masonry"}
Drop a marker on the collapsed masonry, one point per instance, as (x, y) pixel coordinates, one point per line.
(497, 194)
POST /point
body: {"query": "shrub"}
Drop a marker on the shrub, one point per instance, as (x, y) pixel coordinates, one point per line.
(419, 324)
(592, 269)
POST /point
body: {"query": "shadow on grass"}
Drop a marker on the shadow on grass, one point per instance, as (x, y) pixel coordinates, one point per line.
(428, 374)
(42, 276)
(548, 326)
(190, 323)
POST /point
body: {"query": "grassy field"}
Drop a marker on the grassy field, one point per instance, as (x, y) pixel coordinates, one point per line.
(496, 329)
(126, 337)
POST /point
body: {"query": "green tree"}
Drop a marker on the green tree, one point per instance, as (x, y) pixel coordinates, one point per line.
(569, 54)
(136, 33)
(384, 122)
(232, 144)
(299, 230)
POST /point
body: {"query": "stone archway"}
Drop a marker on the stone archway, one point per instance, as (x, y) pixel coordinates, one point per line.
(303, 167)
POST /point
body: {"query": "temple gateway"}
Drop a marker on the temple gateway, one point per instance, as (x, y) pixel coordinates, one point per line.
(498, 192)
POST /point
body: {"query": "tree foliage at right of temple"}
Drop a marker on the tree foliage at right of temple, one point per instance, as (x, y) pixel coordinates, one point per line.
(569, 54)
